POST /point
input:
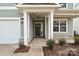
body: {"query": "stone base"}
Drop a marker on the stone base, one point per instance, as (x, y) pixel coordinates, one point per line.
(68, 38)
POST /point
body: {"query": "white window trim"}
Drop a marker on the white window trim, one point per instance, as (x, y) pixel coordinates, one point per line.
(59, 26)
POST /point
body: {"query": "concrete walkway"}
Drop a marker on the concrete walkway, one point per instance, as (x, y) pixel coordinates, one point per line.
(35, 51)
(20, 54)
(36, 47)
(38, 42)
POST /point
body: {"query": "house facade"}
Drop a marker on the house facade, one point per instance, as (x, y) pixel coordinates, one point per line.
(36, 20)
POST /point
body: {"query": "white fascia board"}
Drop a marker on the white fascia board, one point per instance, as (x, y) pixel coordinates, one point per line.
(38, 5)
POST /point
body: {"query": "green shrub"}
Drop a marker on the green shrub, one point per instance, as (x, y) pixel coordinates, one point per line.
(77, 41)
(50, 43)
(62, 42)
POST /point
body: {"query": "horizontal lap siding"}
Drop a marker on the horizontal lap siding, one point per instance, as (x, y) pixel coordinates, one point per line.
(7, 4)
(4, 12)
(9, 13)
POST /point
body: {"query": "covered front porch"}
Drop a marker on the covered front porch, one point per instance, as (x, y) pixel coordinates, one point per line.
(38, 22)
(39, 25)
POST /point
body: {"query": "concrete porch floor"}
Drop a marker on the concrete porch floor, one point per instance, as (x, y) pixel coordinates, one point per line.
(38, 42)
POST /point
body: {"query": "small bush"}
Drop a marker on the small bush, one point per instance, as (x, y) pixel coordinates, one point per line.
(62, 42)
(77, 41)
(50, 43)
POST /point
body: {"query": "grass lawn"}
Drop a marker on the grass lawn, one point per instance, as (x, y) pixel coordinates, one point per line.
(76, 37)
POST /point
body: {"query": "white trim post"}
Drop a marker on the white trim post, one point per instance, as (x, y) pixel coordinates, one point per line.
(50, 25)
(25, 27)
(49, 37)
(51, 22)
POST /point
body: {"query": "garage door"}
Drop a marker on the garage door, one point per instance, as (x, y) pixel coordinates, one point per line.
(9, 32)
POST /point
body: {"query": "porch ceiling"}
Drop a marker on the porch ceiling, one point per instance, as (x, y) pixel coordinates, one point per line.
(39, 14)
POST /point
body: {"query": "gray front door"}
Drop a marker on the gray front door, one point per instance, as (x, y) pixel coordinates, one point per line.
(38, 29)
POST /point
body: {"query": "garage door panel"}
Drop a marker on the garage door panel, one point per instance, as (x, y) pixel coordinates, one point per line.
(9, 32)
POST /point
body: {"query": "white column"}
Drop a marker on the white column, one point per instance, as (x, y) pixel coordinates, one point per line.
(51, 22)
(50, 25)
(49, 36)
(25, 28)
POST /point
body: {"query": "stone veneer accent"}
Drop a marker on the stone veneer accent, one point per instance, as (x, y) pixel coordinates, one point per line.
(68, 38)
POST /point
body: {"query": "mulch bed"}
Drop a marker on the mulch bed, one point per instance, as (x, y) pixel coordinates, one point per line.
(61, 50)
(23, 49)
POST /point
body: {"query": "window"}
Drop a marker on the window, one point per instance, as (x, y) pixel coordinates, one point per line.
(62, 26)
(59, 26)
(63, 5)
(56, 26)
